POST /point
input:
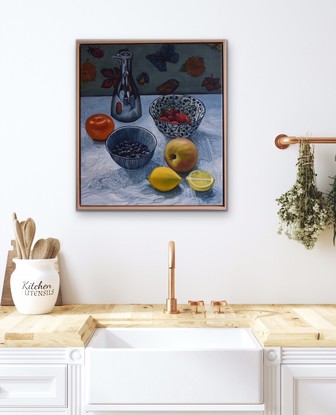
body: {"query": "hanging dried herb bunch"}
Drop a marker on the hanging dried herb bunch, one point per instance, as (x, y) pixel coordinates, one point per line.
(304, 211)
(332, 199)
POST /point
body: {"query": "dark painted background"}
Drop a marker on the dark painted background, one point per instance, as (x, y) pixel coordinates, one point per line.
(186, 68)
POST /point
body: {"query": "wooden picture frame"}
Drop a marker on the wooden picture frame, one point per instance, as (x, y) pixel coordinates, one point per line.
(151, 125)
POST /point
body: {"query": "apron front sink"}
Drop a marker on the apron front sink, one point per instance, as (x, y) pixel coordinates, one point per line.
(166, 366)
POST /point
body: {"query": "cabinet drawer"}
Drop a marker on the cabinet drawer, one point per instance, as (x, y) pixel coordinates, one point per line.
(33, 385)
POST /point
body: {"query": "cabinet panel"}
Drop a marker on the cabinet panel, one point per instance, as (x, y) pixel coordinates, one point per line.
(33, 385)
(308, 390)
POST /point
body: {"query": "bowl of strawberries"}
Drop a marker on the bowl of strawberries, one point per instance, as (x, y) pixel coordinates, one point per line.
(177, 115)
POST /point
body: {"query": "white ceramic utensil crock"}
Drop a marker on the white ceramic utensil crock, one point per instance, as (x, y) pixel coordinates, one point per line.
(34, 285)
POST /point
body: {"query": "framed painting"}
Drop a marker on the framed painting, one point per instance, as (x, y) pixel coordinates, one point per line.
(152, 125)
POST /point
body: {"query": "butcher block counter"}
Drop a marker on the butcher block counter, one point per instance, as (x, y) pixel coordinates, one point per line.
(73, 325)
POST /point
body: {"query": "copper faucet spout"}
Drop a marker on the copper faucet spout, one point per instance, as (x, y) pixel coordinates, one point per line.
(171, 254)
(171, 270)
(171, 302)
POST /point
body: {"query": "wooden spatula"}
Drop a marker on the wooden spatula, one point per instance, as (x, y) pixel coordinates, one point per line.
(40, 249)
(54, 245)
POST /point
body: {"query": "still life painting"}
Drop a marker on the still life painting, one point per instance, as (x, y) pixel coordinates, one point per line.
(152, 125)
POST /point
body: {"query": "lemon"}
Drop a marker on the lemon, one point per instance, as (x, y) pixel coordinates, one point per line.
(200, 180)
(164, 179)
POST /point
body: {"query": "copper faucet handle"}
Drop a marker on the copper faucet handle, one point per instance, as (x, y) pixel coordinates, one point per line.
(218, 306)
(195, 305)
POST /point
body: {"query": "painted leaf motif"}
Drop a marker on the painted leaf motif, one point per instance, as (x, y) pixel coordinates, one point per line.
(113, 76)
(168, 87)
(107, 72)
(96, 52)
(108, 83)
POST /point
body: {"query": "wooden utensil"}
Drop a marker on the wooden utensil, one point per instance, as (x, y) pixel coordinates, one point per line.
(22, 226)
(18, 251)
(55, 246)
(29, 235)
(41, 249)
(19, 238)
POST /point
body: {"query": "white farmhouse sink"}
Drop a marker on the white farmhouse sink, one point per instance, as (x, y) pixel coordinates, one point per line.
(167, 366)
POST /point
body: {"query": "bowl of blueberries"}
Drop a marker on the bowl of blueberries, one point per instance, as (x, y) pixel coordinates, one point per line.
(131, 147)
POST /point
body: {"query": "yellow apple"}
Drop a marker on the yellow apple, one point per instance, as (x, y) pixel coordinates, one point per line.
(181, 154)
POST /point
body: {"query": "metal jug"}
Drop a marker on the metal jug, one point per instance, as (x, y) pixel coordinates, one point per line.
(126, 104)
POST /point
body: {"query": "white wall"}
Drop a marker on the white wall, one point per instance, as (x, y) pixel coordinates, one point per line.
(282, 79)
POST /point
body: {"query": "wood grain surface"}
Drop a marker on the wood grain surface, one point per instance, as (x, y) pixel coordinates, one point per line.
(73, 325)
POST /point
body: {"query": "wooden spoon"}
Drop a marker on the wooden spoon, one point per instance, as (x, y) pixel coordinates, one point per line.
(55, 246)
(22, 226)
(19, 239)
(29, 235)
(41, 249)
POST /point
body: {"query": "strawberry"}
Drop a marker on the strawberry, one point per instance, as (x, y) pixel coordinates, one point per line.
(187, 120)
(163, 118)
(182, 118)
(173, 112)
(174, 116)
(179, 117)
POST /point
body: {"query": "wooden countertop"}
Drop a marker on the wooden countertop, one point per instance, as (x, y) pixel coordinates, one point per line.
(72, 325)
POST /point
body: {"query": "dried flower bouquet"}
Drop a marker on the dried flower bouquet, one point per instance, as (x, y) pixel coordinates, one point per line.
(304, 211)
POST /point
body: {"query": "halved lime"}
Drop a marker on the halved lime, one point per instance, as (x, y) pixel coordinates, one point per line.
(200, 180)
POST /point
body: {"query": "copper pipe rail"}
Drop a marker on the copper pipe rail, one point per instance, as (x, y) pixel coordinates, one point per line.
(282, 141)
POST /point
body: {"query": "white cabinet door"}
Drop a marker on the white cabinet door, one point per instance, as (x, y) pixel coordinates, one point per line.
(33, 386)
(308, 389)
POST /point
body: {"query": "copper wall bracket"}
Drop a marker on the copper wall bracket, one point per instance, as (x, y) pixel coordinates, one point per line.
(282, 141)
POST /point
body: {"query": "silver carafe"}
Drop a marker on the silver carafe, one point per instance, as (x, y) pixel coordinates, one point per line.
(126, 104)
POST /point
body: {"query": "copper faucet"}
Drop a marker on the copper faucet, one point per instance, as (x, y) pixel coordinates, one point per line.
(171, 302)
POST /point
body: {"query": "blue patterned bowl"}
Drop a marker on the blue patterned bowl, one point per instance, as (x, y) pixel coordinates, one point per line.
(134, 134)
(191, 106)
